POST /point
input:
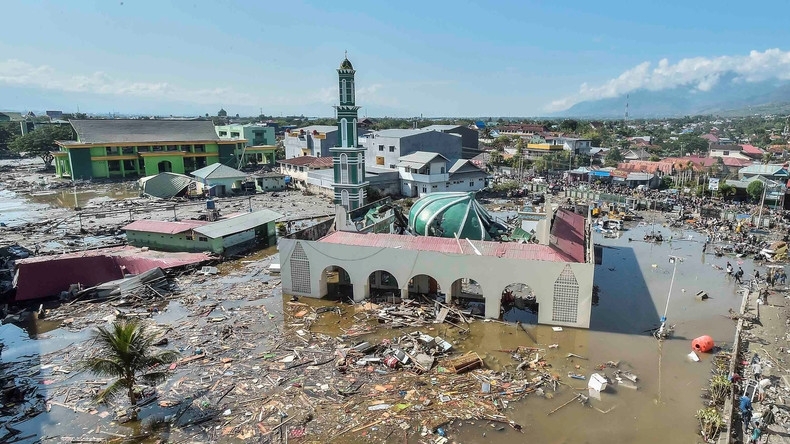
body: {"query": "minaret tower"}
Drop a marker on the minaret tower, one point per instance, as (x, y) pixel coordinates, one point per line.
(349, 157)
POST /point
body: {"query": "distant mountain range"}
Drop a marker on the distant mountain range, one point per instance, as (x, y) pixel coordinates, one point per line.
(727, 98)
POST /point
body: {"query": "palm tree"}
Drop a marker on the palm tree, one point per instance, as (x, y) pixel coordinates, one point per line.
(125, 352)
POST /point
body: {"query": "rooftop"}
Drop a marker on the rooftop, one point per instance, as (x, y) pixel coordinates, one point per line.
(164, 227)
(317, 128)
(219, 171)
(419, 158)
(238, 224)
(441, 127)
(309, 161)
(508, 250)
(398, 133)
(143, 131)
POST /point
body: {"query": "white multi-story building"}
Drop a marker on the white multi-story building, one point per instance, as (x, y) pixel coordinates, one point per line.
(423, 173)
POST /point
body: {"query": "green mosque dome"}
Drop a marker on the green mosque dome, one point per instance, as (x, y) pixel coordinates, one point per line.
(346, 64)
(450, 214)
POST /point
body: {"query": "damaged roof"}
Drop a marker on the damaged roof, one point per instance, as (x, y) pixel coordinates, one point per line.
(163, 227)
(238, 224)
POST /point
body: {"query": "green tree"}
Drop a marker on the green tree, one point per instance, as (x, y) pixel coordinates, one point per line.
(8, 131)
(41, 142)
(125, 351)
(755, 189)
(768, 157)
(495, 158)
(613, 157)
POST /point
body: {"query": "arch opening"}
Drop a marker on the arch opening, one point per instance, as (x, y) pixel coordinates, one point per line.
(423, 284)
(165, 166)
(468, 294)
(382, 284)
(519, 304)
(336, 283)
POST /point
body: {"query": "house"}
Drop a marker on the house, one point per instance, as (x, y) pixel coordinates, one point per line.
(8, 116)
(271, 181)
(775, 172)
(711, 138)
(236, 233)
(138, 147)
(220, 179)
(660, 167)
(385, 148)
(422, 173)
(298, 167)
(470, 138)
(224, 236)
(634, 180)
(255, 134)
(522, 129)
(534, 151)
(636, 154)
(752, 152)
(731, 151)
(573, 144)
(54, 115)
(312, 140)
(365, 122)
(260, 155)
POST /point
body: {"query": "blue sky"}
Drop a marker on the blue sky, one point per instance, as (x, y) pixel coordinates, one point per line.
(454, 58)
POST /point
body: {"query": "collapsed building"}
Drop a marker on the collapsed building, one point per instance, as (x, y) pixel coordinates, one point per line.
(458, 259)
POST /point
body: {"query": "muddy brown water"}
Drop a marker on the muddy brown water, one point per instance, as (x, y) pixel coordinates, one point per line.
(634, 281)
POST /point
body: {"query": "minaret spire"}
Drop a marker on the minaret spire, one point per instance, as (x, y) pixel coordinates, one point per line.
(349, 157)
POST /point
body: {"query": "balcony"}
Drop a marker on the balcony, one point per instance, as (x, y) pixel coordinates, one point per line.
(425, 178)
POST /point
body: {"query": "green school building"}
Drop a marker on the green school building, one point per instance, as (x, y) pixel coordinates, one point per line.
(138, 148)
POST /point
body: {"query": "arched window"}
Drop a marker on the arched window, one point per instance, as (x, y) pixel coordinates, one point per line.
(352, 91)
(343, 91)
(360, 173)
(344, 132)
(354, 136)
(344, 198)
(343, 168)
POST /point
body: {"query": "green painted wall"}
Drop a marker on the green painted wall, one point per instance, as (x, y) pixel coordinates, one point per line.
(99, 168)
(152, 164)
(81, 163)
(227, 155)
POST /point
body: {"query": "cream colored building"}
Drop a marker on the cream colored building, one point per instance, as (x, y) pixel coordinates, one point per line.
(559, 269)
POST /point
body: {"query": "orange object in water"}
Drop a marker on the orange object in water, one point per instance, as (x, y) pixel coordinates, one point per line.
(702, 344)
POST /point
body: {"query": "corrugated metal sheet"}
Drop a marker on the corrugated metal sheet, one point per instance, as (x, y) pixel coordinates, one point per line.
(568, 233)
(509, 250)
(219, 171)
(163, 227)
(143, 131)
(90, 268)
(165, 185)
(238, 224)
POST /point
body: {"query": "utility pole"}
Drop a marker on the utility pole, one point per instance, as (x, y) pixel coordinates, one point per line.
(662, 331)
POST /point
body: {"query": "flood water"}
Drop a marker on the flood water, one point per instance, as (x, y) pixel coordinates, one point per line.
(20, 208)
(634, 280)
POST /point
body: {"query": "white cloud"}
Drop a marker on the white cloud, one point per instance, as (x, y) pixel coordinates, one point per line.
(20, 73)
(701, 73)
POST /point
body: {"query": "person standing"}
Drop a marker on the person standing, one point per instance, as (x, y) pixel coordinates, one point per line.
(757, 369)
(746, 411)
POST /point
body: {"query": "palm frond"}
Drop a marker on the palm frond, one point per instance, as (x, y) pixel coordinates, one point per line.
(103, 367)
(153, 378)
(115, 389)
